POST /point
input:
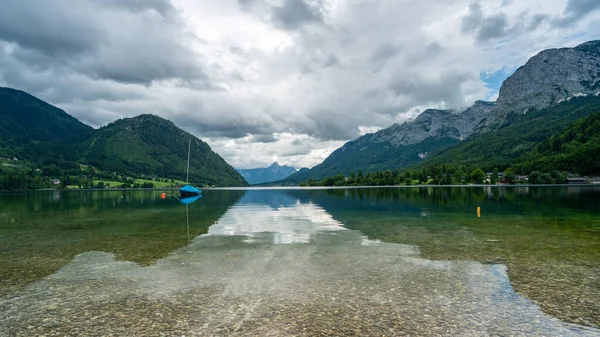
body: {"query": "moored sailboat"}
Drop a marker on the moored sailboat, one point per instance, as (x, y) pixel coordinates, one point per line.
(188, 190)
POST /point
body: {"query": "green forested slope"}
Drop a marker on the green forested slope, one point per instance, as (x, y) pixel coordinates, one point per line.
(370, 158)
(517, 137)
(34, 130)
(151, 145)
(575, 149)
(39, 141)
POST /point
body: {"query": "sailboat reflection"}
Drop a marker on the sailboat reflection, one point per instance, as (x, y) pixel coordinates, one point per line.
(190, 200)
(187, 201)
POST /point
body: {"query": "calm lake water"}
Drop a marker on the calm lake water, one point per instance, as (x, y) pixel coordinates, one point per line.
(372, 261)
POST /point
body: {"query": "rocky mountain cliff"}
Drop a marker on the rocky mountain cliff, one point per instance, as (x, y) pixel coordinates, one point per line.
(268, 174)
(547, 79)
(431, 124)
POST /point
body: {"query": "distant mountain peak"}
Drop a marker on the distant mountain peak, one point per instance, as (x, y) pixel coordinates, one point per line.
(269, 174)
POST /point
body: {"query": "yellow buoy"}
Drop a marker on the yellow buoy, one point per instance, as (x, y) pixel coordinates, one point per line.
(478, 212)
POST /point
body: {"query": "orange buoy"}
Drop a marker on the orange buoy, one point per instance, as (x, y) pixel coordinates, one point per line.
(163, 196)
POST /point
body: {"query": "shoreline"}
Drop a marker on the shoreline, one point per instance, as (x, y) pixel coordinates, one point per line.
(297, 187)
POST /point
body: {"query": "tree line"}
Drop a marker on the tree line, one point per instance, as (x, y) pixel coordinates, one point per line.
(53, 176)
(437, 174)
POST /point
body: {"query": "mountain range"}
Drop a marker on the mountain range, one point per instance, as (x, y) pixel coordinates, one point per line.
(37, 134)
(552, 90)
(552, 93)
(269, 174)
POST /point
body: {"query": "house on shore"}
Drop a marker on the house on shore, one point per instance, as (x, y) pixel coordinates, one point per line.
(576, 180)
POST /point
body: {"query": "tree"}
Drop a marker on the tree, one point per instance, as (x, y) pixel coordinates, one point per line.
(458, 176)
(494, 177)
(510, 175)
(535, 177)
(546, 178)
(477, 176)
(448, 179)
(423, 177)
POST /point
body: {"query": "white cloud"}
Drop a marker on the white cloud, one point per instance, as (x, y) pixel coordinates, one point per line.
(275, 80)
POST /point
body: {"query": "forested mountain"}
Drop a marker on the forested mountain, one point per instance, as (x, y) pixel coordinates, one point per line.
(507, 145)
(575, 149)
(268, 174)
(39, 135)
(487, 133)
(400, 145)
(33, 130)
(151, 145)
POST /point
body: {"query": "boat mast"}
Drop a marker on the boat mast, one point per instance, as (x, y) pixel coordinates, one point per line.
(187, 176)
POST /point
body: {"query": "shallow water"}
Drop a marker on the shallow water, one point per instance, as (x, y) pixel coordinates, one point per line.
(391, 261)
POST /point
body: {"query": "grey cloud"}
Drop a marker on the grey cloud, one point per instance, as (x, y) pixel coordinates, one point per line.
(434, 48)
(327, 124)
(245, 3)
(60, 86)
(295, 151)
(268, 138)
(163, 7)
(139, 62)
(484, 27)
(581, 7)
(127, 45)
(576, 10)
(236, 50)
(212, 117)
(384, 52)
(42, 26)
(487, 27)
(331, 61)
(492, 27)
(537, 20)
(472, 21)
(446, 88)
(294, 14)
(428, 52)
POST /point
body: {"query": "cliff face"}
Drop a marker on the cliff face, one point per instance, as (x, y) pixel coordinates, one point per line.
(432, 124)
(547, 79)
(553, 76)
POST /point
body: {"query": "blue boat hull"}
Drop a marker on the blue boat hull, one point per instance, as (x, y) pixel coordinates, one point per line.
(189, 191)
(190, 199)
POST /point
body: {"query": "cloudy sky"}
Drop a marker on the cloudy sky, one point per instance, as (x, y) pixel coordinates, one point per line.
(276, 80)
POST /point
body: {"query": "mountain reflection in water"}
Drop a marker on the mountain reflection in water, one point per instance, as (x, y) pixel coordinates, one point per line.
(278, 263)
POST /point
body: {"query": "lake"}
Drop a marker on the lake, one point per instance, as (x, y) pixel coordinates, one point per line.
(272, 262)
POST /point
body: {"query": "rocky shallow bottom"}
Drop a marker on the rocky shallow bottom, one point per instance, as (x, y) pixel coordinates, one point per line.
(339, 283)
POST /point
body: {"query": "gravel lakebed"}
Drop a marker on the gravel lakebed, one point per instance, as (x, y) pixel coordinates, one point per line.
(336, 283)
